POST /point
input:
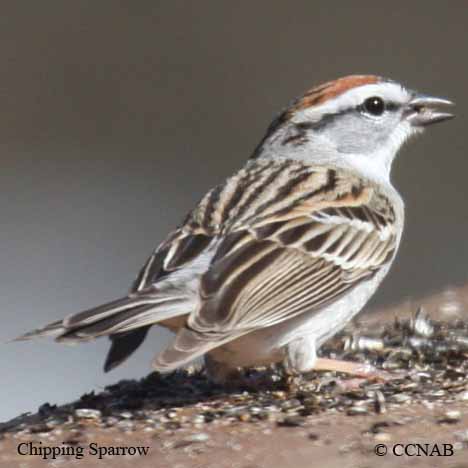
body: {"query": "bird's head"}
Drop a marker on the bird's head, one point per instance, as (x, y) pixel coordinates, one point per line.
(360, 121)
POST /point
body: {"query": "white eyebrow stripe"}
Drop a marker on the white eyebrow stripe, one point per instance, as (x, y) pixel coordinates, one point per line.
(389, 91)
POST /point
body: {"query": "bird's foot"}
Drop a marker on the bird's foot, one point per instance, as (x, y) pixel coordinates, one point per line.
(362, 372)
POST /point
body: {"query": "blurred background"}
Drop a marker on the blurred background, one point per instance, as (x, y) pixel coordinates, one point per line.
(116, 117)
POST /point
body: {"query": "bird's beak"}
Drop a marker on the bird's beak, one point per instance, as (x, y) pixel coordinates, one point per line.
(425, 110)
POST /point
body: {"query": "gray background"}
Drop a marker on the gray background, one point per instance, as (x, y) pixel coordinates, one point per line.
(115, 117)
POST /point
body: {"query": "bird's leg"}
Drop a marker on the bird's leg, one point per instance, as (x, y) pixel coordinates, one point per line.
(300, 358)
(363, 371)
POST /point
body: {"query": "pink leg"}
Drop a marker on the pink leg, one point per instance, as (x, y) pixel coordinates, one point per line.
(358, 369)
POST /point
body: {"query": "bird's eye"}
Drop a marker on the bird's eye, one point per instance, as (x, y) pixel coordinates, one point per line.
(374, 106)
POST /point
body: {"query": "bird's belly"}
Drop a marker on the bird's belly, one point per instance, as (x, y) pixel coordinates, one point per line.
(257, 348)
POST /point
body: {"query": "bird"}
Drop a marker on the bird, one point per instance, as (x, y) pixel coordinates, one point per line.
(279, 257)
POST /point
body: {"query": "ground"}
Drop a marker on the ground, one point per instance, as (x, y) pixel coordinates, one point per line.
(325, 419)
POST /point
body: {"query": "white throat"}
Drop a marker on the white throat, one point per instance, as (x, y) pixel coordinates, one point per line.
(318, 149)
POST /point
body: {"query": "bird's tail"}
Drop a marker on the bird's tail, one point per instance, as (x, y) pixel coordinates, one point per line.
(126, 321)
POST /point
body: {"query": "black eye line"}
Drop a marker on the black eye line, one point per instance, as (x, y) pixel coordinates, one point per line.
(389, 106)
(327, 119)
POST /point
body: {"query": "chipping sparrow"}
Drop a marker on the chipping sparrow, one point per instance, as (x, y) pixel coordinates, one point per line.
(279, 257)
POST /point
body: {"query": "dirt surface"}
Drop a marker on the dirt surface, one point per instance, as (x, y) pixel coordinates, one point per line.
(419, 417)
(326, 440)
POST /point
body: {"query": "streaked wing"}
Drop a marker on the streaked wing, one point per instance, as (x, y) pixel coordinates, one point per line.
(295, 238)
(266, 275)
(181, 248)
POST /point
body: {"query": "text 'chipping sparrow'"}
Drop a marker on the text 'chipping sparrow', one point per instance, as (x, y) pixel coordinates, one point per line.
(279, 257)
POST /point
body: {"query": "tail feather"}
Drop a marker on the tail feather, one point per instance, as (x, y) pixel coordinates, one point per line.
(54, 328)
(126, 321)
(123, 345)
(113, 317)
(99, 313)
(104, 326)
(103, 311)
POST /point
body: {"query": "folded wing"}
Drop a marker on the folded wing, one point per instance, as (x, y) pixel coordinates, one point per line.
(288, 251)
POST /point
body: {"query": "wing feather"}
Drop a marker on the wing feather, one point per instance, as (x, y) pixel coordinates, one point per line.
(282, 251)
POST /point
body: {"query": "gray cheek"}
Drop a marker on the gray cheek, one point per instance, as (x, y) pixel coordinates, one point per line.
(358, 134)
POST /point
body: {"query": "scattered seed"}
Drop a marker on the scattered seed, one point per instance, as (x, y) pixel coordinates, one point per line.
(450, 417)
(87, 413)
(382, 437)
(245, 417)
(462, 436)
(379, 402)
(357, 410)
(192, 439)
(400, 398)
(39, 428)
(292, 421)
(363, 343)
(421, 325)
